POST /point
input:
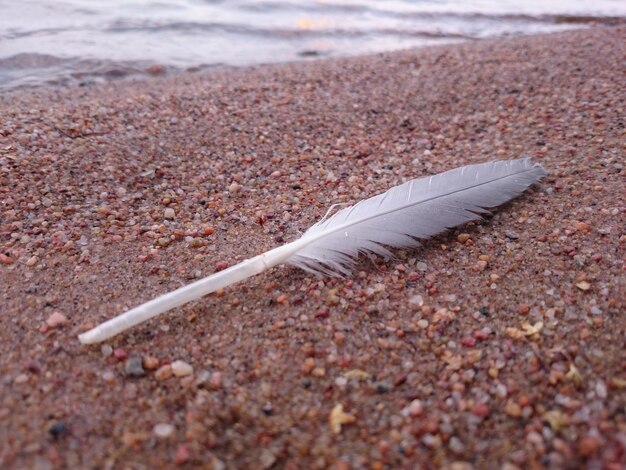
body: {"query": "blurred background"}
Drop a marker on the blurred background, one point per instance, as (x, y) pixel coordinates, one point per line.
(45, 42)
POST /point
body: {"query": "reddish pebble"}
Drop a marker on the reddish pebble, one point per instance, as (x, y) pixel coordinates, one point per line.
(480, 409)
(56, 319)
(281, 299)
(208, 230)
(416, 408)
(481, 265)
(341, 465)
(120, 354)
(523, 309)
(588, 446)
(221, 266)
(4, 259)
(340, 337)
(468, 342)
(480, 335)
(308, 365)
(216, 380)
(182, 454)
(322, 313)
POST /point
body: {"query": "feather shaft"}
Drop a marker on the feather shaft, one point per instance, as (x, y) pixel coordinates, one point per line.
(195, 290)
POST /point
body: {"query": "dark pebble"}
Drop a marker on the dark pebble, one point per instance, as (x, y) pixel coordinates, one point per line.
(58, 429)
(382, 388)
(484, 311)
(134, 367)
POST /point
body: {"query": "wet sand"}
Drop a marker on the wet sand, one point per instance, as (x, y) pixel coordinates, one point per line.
(497, 345)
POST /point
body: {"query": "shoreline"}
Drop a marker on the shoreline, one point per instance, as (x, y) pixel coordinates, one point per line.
(497, 344)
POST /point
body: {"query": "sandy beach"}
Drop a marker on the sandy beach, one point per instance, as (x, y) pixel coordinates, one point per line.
(497, 345)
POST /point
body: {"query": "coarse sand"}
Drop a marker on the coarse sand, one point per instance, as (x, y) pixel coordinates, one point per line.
(498, 345)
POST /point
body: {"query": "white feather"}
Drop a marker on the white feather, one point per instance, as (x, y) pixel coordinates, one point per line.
(417, 209)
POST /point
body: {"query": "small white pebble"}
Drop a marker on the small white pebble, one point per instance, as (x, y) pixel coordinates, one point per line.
(417, 300)
(169, 213)
(181, 368)
(108, 376)
(234, 187)
(341, 382)
(163, 430)
(106, 350)
(20, 379)
(456, 445)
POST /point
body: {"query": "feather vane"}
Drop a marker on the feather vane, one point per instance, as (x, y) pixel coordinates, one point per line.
(417, 209)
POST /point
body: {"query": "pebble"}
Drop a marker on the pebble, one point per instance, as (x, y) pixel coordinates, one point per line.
(456, 445)
(108, 376)
(183, 454)
(106, 350)
(120, 354)
(601, 390)
(416, 408)
(163, 372)
(416, 300)
(511, 235)
(583, 285)
(169, 213)
(513, 409)
(463, 237)
(163, 430)
(181, 368)
(134, 366)
(480, 409)
(150, 362)
(32, 260)
(58, 429)
(338, 418)
(588, 446)
(267, 459)
(21, 378)
(481, 265)
(56, 319)
(234, 188)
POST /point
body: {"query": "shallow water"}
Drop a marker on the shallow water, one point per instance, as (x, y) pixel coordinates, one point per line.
(86, 41)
